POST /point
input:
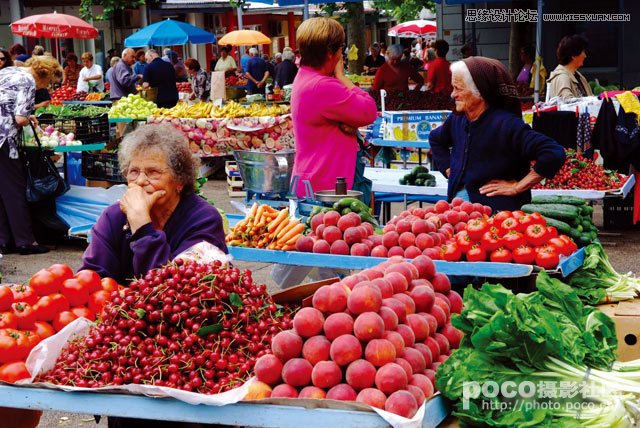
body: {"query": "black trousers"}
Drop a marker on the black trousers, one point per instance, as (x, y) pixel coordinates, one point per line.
(15, 219)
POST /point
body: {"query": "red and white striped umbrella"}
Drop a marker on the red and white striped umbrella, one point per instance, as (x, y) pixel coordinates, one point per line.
(54, 26)
(418, 28)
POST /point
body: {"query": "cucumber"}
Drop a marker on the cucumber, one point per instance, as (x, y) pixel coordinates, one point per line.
(562, 212)
(345, 211)
(344, 203)
(358, 207)
(586, 210)
(586, 224)
(584, 239)
(558, 199)
(364, 216)
(562, 227)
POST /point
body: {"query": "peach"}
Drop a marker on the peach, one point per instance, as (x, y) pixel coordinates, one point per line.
(407, 301)
(331, 234)
(441, 206)
(397, 306)
(321, 246)
(425, 265)
(368, 326)
(440, 282)
(368, 243)
(433, 323)
(412, 252)
(422, 382)
(316, 221)
(258, 390)
(439, 314)
(390, 378)
(339, 247)
(453, 217)
(432, 253)
(398, 281)
(305, 244)
(316, 349)
(442, 358)
(349, 220)
(389, 317)
(390, 239)
(442, 301)
(417, 393)
(326, 374)
(407, 334)
(420, 226)
(434, 347)
(297, 372)
(364, 299)
(345, 349)
(308, 322)
(423, 298)
(284, 391)
(419, 325)
(415, 358)
(331, 218)
(424, 241)
(396, 339)
(320, 230)
(330, 299)
(376, 239)
(405, 366)
(456, 302)
(380, 352)
(286, 345)
(342, 392)
(402, 268)
(389, 227)
(385, 287)
(312, 392)
(352, 235)
(431, 375)
(403, 226)
(395, 251)
(372, 274)
(406, 240)
(268, 369)
(360, 374)
(352, 280)
(379, 251)
(453, 335)
(425, 351)
(443, 342)
(402, 403)
(338, 324)
(373, 397)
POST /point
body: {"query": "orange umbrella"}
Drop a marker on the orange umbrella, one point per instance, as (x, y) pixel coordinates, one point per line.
(54, 26)
(244, 38)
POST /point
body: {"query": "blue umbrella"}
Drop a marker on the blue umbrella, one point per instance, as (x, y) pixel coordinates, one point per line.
(169, 33)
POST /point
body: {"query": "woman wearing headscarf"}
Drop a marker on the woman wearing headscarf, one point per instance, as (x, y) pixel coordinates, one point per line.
(484, 148)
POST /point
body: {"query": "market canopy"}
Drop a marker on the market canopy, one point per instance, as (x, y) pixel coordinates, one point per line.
(420, 27)
(169, 33)
(306, 3)
(244, 38)
(54, 26)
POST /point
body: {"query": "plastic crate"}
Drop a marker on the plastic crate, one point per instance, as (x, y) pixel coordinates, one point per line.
(618, 213)
(102, 166)
(88, 130)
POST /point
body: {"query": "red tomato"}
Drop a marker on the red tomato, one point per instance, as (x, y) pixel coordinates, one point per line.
(476, 228)
(109, 284)
(89, 279)
(560, 245)
(97, 301)
(76, 292)
(8, 320)
(44, 283)
(43, 329)
(552, 231)
(501, 216)
(513, 240)
(547, 258)
(450, 252)
(508, 225)
(60, 302)
(14, 371)
(25, 315)
(61, 271)
(537, 218)
(501, 255)
(476, 254)
(81, 311)
(46, 308)
(536, 235)
(62, 319)
(10, 348)
(518, 214)
(24, 293)
(524, 255)
(464, 241)
(571, 245)
(490, 241)
(6, 298)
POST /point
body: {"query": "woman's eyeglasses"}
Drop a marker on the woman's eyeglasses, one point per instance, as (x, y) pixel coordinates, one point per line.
(151, 173)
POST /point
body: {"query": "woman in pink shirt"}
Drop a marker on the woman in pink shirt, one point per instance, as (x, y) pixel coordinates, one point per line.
(327, 108)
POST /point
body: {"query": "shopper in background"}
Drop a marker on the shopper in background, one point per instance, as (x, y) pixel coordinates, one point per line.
(566, 81)
(18, 54)
(374, 61)
(226, 62)
(138, 67)
(256, 72)
(91, 75)
(213, 62)
(244, 59)
(439, 74)
(271, 68)
(17, 95)
(123, 80)
(394, 74)
(5, 59)
(161, 76)
(200, 83)
(71, 71)
(114, 61)
(37, 50)
(286, 71)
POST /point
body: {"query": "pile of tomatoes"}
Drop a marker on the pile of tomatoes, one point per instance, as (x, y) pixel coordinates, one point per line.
(509, 237)
(53, 298)
(63, 93)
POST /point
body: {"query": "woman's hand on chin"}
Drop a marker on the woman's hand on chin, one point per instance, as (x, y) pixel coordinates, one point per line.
(137, 204)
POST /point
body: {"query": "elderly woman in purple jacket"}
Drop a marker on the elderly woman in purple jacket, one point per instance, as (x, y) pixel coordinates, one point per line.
(159, 216)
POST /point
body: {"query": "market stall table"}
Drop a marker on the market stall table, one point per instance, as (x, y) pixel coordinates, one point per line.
(244, 414)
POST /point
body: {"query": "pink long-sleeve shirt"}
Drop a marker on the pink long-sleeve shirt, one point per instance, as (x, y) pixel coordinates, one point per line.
(319, 104)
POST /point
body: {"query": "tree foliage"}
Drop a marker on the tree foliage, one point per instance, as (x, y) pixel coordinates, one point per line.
(404, 10)
(108, 7)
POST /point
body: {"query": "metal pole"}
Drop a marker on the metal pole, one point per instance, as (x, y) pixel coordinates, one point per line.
(538, 62)
(305, 13)
(15, 9)
(239, 12)
(621, 46)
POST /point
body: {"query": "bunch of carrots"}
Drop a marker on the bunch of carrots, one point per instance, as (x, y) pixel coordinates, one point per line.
(266, 227)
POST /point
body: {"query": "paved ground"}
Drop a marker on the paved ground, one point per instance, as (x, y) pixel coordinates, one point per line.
(622, 247)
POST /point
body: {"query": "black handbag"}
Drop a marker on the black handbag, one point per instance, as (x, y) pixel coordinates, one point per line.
(42, 177)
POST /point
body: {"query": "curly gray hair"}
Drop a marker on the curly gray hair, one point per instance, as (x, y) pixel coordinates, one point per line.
(395, 51)
(288, 55)
(166, 139)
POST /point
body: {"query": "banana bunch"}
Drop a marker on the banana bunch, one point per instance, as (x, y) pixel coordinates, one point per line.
(233, 109)
(184, 110)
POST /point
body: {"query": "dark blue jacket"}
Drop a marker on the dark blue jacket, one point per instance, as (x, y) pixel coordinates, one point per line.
(257, 67)
(496, 146)
(285, 73)
(160, 74)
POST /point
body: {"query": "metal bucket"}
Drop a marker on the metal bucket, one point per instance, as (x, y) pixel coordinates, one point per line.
(265, 172)
(331, 197)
